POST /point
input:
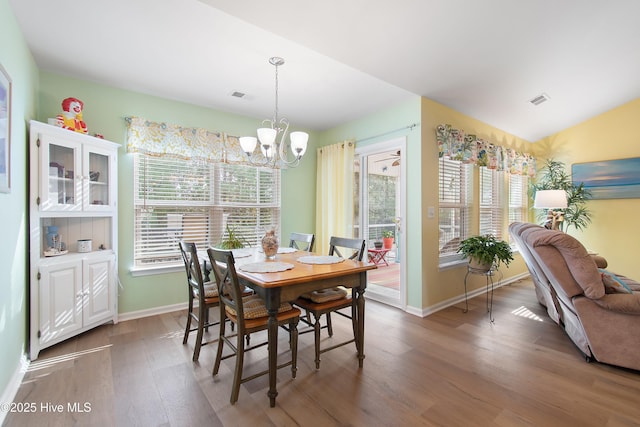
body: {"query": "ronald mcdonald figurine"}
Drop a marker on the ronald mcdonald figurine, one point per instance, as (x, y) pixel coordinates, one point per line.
(71, 117)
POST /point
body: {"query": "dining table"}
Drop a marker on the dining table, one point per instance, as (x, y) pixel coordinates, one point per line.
(292, 273)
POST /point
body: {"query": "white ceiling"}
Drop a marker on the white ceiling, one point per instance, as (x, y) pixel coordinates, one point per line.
(346, 59)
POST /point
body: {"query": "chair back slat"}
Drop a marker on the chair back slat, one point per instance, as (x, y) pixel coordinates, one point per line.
(224, 271)
(357, 245)
(296, 238)
(195, 279)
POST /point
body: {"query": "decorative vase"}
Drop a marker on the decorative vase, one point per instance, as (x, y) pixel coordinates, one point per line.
(270, 244)
(377, 244)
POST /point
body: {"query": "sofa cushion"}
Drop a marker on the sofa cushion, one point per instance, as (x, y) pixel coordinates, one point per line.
(622, 303)
(612, 283)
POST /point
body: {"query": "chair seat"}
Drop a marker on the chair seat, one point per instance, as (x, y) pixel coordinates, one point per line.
(254, 307)
(326, 306)
(212, 300)
(260, 322)
(324, 295)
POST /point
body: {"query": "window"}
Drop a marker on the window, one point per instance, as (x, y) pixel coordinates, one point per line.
(491, 199)
(455, 195)
(177, 199)
(518, 198)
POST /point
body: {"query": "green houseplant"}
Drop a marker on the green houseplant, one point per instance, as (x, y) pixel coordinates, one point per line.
(233, 240)
(485, 251)
(553, 176)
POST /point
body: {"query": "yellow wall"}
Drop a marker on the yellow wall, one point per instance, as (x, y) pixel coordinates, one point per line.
(440, 286)
(615, 229)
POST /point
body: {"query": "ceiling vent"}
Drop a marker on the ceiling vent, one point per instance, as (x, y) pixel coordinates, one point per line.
(543, 97)
(238, 94)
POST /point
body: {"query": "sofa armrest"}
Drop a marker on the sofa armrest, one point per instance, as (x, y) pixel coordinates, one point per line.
(621, 303)
(600, 261)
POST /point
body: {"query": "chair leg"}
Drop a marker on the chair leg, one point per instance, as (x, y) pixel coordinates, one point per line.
(216, 364)
(206, 320)
(237, 375)
(196, 349)
(316, 333)
(186, 331)
(293, 338)
(329, 325)
(354, 325)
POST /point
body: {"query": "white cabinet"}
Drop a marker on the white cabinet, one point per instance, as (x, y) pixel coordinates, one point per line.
(76, 171)
(76, 293)
(73, 181)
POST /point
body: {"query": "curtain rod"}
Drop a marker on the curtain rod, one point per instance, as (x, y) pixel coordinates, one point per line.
(410, 127)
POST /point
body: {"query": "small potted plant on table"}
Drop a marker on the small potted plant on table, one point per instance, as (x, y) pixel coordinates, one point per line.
(484, 252)
(232, 240)
(387, 239)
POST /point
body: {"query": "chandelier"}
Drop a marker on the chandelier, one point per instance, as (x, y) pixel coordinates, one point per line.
(274, 151)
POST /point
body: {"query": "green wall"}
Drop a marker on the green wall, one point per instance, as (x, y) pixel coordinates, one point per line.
(18, 63)
(104, 111)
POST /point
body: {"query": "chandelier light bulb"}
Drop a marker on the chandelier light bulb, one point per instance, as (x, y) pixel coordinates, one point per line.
(299, 143)
(267, 136)
(248, 144)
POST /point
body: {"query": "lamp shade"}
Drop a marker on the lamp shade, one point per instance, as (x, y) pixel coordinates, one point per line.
(299, 143)
(248, 143)
(267, 136)
(550, 199)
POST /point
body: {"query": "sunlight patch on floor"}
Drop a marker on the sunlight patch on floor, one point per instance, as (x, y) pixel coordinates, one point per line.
(523, 311)
(47, 363)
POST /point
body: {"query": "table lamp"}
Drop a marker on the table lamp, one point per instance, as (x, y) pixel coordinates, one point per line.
(551, 199)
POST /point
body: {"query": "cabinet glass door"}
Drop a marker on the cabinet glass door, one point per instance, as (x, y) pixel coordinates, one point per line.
(98, 191)
(61, 184)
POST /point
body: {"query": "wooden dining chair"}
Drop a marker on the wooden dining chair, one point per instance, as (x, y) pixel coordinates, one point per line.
(249, 314)
(302, 241)
(205, 293)
(327, 301)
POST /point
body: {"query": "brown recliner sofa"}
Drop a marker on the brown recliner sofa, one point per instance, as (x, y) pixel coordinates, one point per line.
(604, 326)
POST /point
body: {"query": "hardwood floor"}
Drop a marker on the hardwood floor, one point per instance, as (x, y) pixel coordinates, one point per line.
(449, 369)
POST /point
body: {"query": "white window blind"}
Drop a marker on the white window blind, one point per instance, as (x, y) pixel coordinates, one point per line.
(518, 198)
(491, 201)
(455, 194)
(193, 200)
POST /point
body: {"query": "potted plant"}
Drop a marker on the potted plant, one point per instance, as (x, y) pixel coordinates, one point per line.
(233, 240)
(485, 251)
(387, 239)
(553, 176)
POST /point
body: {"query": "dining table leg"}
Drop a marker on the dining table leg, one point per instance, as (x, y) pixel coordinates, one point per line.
(360, 314)
(272, 303)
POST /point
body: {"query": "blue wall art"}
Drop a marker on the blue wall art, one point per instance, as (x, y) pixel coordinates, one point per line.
(609, 179)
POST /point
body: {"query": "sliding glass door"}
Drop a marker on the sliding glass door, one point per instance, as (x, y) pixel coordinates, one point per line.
(379, 208)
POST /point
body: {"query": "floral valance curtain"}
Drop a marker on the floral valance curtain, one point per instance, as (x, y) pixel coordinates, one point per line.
(163, 139)
(455, 144)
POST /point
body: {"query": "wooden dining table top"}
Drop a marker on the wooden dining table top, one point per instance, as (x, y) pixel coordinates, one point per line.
(300, 273)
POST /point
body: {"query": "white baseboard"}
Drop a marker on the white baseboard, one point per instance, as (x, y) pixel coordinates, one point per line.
(11, 389)
(151, 311)
(424, 312)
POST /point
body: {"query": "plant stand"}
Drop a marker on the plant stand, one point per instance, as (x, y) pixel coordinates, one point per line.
(489, 277)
